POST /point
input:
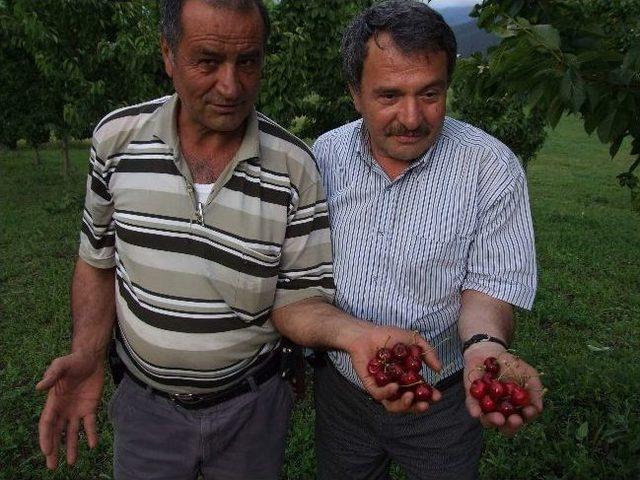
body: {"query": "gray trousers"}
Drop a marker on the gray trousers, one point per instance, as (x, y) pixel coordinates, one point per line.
(356, 438)
(243, 438)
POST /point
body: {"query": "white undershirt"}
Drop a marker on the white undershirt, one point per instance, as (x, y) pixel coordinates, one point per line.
(202, 191)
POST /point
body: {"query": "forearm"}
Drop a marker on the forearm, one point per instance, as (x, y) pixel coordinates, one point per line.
(481, 313)
(92, 307)
(318, 324)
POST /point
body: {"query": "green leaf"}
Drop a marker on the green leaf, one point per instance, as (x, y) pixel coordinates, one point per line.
(615, 146)
(548, 36)
(604, 128)
(582, 432)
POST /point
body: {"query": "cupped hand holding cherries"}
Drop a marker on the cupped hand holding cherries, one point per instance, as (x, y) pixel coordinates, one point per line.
(402, 364)
(505, 393)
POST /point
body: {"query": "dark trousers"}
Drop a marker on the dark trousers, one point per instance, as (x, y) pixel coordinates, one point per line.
(242, 438)
(356, 438)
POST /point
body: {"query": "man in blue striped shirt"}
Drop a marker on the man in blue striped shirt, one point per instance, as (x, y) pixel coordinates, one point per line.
(431, 231)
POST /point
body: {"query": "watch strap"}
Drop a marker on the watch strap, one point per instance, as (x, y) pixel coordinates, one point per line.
(482, 337)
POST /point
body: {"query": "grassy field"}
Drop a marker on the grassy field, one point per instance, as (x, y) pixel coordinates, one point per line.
(583, 333)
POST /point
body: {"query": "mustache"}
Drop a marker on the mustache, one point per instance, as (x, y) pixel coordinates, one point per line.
(399, 129)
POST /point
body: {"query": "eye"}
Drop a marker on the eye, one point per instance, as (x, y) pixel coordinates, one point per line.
(387, 97)
(208, 63)
(432, 95)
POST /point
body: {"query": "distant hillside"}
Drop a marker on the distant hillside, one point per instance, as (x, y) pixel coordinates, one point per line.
(456, 15)
(471, 39)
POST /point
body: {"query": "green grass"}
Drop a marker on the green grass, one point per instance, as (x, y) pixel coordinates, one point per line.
(583, 332)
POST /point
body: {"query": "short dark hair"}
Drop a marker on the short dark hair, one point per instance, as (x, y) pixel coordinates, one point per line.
(413, 26)
(171, 26)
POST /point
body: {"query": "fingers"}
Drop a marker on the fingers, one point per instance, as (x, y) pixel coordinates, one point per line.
(91, 429)
(46, 428)
(71, 439)
(431, 358)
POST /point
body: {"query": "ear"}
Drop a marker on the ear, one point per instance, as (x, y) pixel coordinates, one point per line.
(167, 57)
(355, 96)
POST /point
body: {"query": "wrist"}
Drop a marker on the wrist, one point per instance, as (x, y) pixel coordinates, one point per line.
(479, 339)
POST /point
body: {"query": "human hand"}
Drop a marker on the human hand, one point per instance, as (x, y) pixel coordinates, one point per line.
(364, 347)
(74, 383)
(511, 367)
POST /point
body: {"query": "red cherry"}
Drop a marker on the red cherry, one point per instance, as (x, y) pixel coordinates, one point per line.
(384, 355)
(381, 378)
(487, 378)
(520, 397)
(394, 371)
(412, 363)
(409, 377)
(487, 404)
(478, 389)
(506, 408)
(374, 366)
(399, 351)
(509, 387)
(492, 366)
(423, 392)
(415, 350)
(496, 390)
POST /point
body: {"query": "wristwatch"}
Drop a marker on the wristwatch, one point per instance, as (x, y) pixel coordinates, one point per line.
(482, 337)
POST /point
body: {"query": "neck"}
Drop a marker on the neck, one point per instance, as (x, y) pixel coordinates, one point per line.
(207, 152)
(391, 166)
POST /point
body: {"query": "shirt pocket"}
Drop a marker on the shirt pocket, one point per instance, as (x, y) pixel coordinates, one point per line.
(435, 263)
(256, 283)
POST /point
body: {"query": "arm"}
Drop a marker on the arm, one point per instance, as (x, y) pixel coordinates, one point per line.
(316, 323)
(74, 382)
(481, 313)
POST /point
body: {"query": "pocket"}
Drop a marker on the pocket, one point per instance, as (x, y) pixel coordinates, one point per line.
(112, 406)
(436, 267)
(255, 283)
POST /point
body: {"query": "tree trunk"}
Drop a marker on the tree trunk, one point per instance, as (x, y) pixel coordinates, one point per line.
(65, 155)
(36, 160)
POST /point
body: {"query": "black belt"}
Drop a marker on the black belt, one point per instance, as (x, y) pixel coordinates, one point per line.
(194, 401)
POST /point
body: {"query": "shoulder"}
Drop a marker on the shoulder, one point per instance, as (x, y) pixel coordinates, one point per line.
(478, 147)
(121, 124)
(283, 152)
(343, 135)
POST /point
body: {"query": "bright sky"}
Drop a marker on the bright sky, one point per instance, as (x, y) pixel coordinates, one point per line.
(440, 4)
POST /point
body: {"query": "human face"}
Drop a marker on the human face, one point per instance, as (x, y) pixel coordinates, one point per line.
(216, 67)
(402, 99)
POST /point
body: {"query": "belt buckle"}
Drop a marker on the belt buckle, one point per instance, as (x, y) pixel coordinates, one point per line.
(186, 398)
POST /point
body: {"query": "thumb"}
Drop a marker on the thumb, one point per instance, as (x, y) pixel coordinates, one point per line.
(51, 375)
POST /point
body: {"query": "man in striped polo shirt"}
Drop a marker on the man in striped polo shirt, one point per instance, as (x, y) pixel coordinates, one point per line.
(431, 231)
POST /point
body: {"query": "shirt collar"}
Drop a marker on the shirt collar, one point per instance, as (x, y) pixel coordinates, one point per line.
(166, 129)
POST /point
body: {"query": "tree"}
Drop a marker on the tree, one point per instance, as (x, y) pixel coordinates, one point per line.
(505, 116)
(570, 56)
(302, 83)
(92, 56)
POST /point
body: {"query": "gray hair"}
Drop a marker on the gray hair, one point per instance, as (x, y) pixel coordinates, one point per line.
(413, 26)
(171, 27)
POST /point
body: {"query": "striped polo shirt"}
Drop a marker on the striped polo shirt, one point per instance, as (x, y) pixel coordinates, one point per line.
(458, 218)
(196, 282)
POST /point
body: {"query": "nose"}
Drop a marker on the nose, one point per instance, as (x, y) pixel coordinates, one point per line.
(410, 115)
(228, 85)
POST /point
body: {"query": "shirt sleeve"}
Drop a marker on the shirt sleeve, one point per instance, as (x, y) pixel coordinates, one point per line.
(306, 268)
(97, 234)
(501, 260)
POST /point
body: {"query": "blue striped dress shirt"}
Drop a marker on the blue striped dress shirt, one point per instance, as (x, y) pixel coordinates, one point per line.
(404, 250)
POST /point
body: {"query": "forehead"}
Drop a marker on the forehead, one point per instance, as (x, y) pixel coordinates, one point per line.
(386, 63)
(210, 25)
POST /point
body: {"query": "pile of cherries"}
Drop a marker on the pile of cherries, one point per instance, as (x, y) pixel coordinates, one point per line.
(496, 395)
(401, 364)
